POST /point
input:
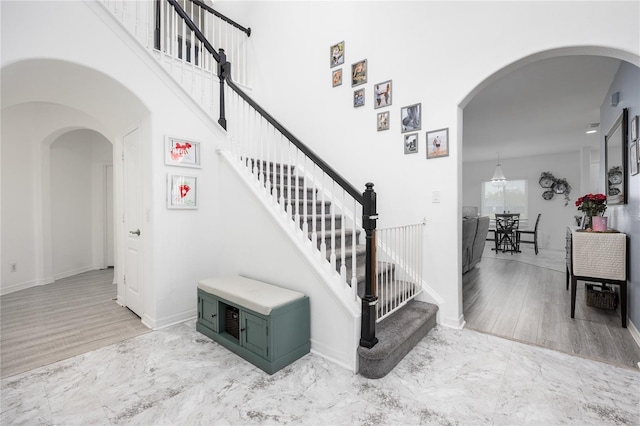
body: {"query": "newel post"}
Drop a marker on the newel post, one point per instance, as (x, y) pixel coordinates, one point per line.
(224, 69)
(368, 337)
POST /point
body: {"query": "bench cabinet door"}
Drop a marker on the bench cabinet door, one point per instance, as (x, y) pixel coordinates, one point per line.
(255, 334)
(209, 312)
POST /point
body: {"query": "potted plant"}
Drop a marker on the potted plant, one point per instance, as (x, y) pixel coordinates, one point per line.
(593, 205)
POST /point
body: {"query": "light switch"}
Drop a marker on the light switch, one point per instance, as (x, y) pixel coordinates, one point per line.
(435, 197)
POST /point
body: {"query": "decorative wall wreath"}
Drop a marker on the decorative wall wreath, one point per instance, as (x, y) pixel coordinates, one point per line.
(553, 186)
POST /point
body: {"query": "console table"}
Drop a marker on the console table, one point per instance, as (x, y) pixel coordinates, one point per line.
(598, 257)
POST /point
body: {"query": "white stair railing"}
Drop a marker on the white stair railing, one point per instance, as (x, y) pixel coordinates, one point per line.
(323, 211)
(399, 253)
(177, 48)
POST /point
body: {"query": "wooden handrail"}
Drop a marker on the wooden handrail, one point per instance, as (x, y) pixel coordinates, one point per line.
(221, 16)
(351, 190)
(193, 27)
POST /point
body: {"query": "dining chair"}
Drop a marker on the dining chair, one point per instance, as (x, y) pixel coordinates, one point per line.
(506, 234)
(533, 233)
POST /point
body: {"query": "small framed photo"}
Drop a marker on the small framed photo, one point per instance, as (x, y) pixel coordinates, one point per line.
(359, 73)
(181, 152)
(383, 121)
(410, 118)
(182, 192)
(633, 158)
(438, 143)
(336, 77)
(382, 94)
(337, 54)
(411, 143)
(634, 128)
(358, 98)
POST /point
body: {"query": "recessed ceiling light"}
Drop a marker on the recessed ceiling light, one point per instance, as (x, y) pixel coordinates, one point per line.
(592, 128)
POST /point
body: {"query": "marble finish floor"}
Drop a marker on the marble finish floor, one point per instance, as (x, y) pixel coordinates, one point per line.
(177, 376)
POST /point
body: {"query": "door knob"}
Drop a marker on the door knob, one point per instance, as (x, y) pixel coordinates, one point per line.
(136, 232)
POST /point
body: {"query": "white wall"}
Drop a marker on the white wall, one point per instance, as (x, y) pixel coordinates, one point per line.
(556, 216)
(436, 53)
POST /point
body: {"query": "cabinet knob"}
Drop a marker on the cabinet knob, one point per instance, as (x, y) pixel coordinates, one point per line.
(213, 315)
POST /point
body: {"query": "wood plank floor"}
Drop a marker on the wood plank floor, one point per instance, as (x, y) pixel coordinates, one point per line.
(49, 323)
(521, 301)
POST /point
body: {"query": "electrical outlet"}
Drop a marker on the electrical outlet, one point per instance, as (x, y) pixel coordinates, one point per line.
(13, 266)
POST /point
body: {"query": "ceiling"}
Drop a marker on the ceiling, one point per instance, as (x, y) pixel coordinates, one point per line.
(540, 108)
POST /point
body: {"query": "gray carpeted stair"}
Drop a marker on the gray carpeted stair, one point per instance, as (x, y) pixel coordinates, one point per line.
(397, 335)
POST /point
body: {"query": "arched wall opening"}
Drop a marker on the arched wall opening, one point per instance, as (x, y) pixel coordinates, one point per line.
(81, 194)
(594, 51)
(55, 113)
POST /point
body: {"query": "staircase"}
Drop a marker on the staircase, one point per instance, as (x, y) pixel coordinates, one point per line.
(311, 200)
(398, 333)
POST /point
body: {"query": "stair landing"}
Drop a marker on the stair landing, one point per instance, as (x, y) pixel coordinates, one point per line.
(397, 335)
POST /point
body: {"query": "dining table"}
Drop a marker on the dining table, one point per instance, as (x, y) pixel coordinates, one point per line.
(506, 232)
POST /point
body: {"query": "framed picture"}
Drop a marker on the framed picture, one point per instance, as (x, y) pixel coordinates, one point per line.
(359, 73)
(383, 120)
(337, 54)
(634, 128)
(411, 143)
(410, 118)
(438, 143)
(358, 98)
(181, 152)
(633, 158)
(182, 192)
(336, 77)
(382, 94)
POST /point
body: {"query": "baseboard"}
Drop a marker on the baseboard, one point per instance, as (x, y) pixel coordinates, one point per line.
(73, 272)
(23, 286)
(170, 320)
(317, 349)
(455, 323)
(634, 332)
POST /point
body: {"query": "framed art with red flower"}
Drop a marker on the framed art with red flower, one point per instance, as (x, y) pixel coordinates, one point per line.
(182, 192)
(181, 152)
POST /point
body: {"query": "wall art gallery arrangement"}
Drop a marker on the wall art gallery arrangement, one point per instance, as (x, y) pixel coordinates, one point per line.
(410, 116)
(182, 190)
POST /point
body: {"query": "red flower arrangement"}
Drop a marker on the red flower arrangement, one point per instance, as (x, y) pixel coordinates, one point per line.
(592, 204)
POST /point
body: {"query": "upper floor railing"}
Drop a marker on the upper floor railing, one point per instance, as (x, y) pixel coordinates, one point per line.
(160, 28)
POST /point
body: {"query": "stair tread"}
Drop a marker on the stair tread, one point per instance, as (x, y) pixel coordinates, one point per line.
(397, 335)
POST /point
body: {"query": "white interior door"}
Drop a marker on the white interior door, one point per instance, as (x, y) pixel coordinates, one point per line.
(132, 222)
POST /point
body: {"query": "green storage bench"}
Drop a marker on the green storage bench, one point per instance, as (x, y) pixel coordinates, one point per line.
(267, 325)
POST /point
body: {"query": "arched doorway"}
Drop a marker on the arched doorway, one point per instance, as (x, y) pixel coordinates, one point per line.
(51, 105)
(81, 188)
(578, 162)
